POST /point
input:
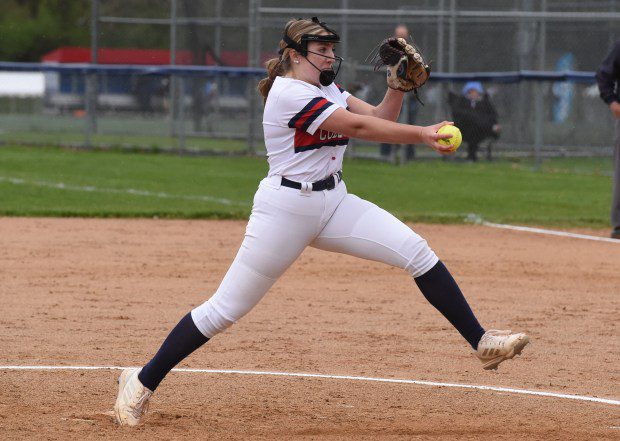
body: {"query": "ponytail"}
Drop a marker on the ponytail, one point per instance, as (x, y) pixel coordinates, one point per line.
(275, 67)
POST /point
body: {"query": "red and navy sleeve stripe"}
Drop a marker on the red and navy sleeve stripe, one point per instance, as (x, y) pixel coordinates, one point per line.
(309, 113)
(340, 88)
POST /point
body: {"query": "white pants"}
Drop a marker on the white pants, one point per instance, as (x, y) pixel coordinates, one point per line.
(284, 221)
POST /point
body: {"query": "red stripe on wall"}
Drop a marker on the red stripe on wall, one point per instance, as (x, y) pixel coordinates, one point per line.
(68, 54)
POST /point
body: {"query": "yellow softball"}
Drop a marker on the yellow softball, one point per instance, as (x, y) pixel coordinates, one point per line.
(456, 136)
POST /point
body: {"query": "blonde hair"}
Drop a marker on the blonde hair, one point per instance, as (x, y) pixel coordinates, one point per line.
(294, 29)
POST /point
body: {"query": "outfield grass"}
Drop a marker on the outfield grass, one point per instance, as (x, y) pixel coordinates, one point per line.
(126, 141)
(134, 131)
(57, 182)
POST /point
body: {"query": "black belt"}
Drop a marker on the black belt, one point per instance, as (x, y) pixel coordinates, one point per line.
(328, 183)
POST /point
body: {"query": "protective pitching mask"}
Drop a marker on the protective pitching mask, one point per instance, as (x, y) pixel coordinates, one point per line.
(326, 76)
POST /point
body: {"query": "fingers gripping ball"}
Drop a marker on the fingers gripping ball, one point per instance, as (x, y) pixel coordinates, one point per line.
(455, 139)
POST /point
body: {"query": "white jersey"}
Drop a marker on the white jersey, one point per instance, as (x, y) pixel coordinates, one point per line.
(295, 148)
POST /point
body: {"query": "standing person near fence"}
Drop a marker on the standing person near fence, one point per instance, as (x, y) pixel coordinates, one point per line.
(408, 112)
(303, 202)
(608, 78)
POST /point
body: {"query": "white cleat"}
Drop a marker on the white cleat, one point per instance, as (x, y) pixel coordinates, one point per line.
(133, 398)
(496, 346)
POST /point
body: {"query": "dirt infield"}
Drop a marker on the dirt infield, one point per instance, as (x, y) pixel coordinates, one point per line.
(95, 292)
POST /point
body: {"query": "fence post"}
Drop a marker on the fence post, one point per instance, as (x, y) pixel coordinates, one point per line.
(452, 38)
(173, 56)
(253, 61)
(538, 121)
(440, 57)
(91, 91)
(538, 90)
(344, 39)
(181, 119)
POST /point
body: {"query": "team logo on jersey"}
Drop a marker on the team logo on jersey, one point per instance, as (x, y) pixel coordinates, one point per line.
(321, 138)
(304, 118)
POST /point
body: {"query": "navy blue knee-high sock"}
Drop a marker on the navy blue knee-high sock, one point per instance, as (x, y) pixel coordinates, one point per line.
(184, 339)
(441, 290)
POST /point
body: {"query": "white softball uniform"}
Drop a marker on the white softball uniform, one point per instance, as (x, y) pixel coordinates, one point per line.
(296, 148)
(284, 221)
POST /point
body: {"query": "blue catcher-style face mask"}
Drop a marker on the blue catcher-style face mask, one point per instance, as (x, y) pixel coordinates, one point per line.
(326, 76)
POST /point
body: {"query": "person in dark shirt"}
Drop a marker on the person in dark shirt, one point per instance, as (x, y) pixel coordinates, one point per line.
(608, 79)
(475, 115)
(408, 113)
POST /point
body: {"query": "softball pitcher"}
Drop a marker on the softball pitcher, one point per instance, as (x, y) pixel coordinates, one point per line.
(304, 201)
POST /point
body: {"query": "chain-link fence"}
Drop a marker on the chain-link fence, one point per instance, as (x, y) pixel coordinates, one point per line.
(219, 110)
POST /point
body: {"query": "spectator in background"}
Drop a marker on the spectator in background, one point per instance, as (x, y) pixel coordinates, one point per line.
(608, 79)
(163, 92)
(408, 112)
(475, 115)
(143, 91)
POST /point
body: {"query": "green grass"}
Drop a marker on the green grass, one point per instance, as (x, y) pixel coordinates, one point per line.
(59, 182)
(116, 131)
(134, 142)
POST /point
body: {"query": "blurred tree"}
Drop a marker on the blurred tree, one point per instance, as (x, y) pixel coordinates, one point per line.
(30, 28)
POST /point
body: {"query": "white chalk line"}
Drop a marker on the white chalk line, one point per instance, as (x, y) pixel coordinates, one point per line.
(340, 377)
(551, 232)
(129, 191)
(478, 220)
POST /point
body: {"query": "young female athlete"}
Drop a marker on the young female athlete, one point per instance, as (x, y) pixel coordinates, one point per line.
(303, 201)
